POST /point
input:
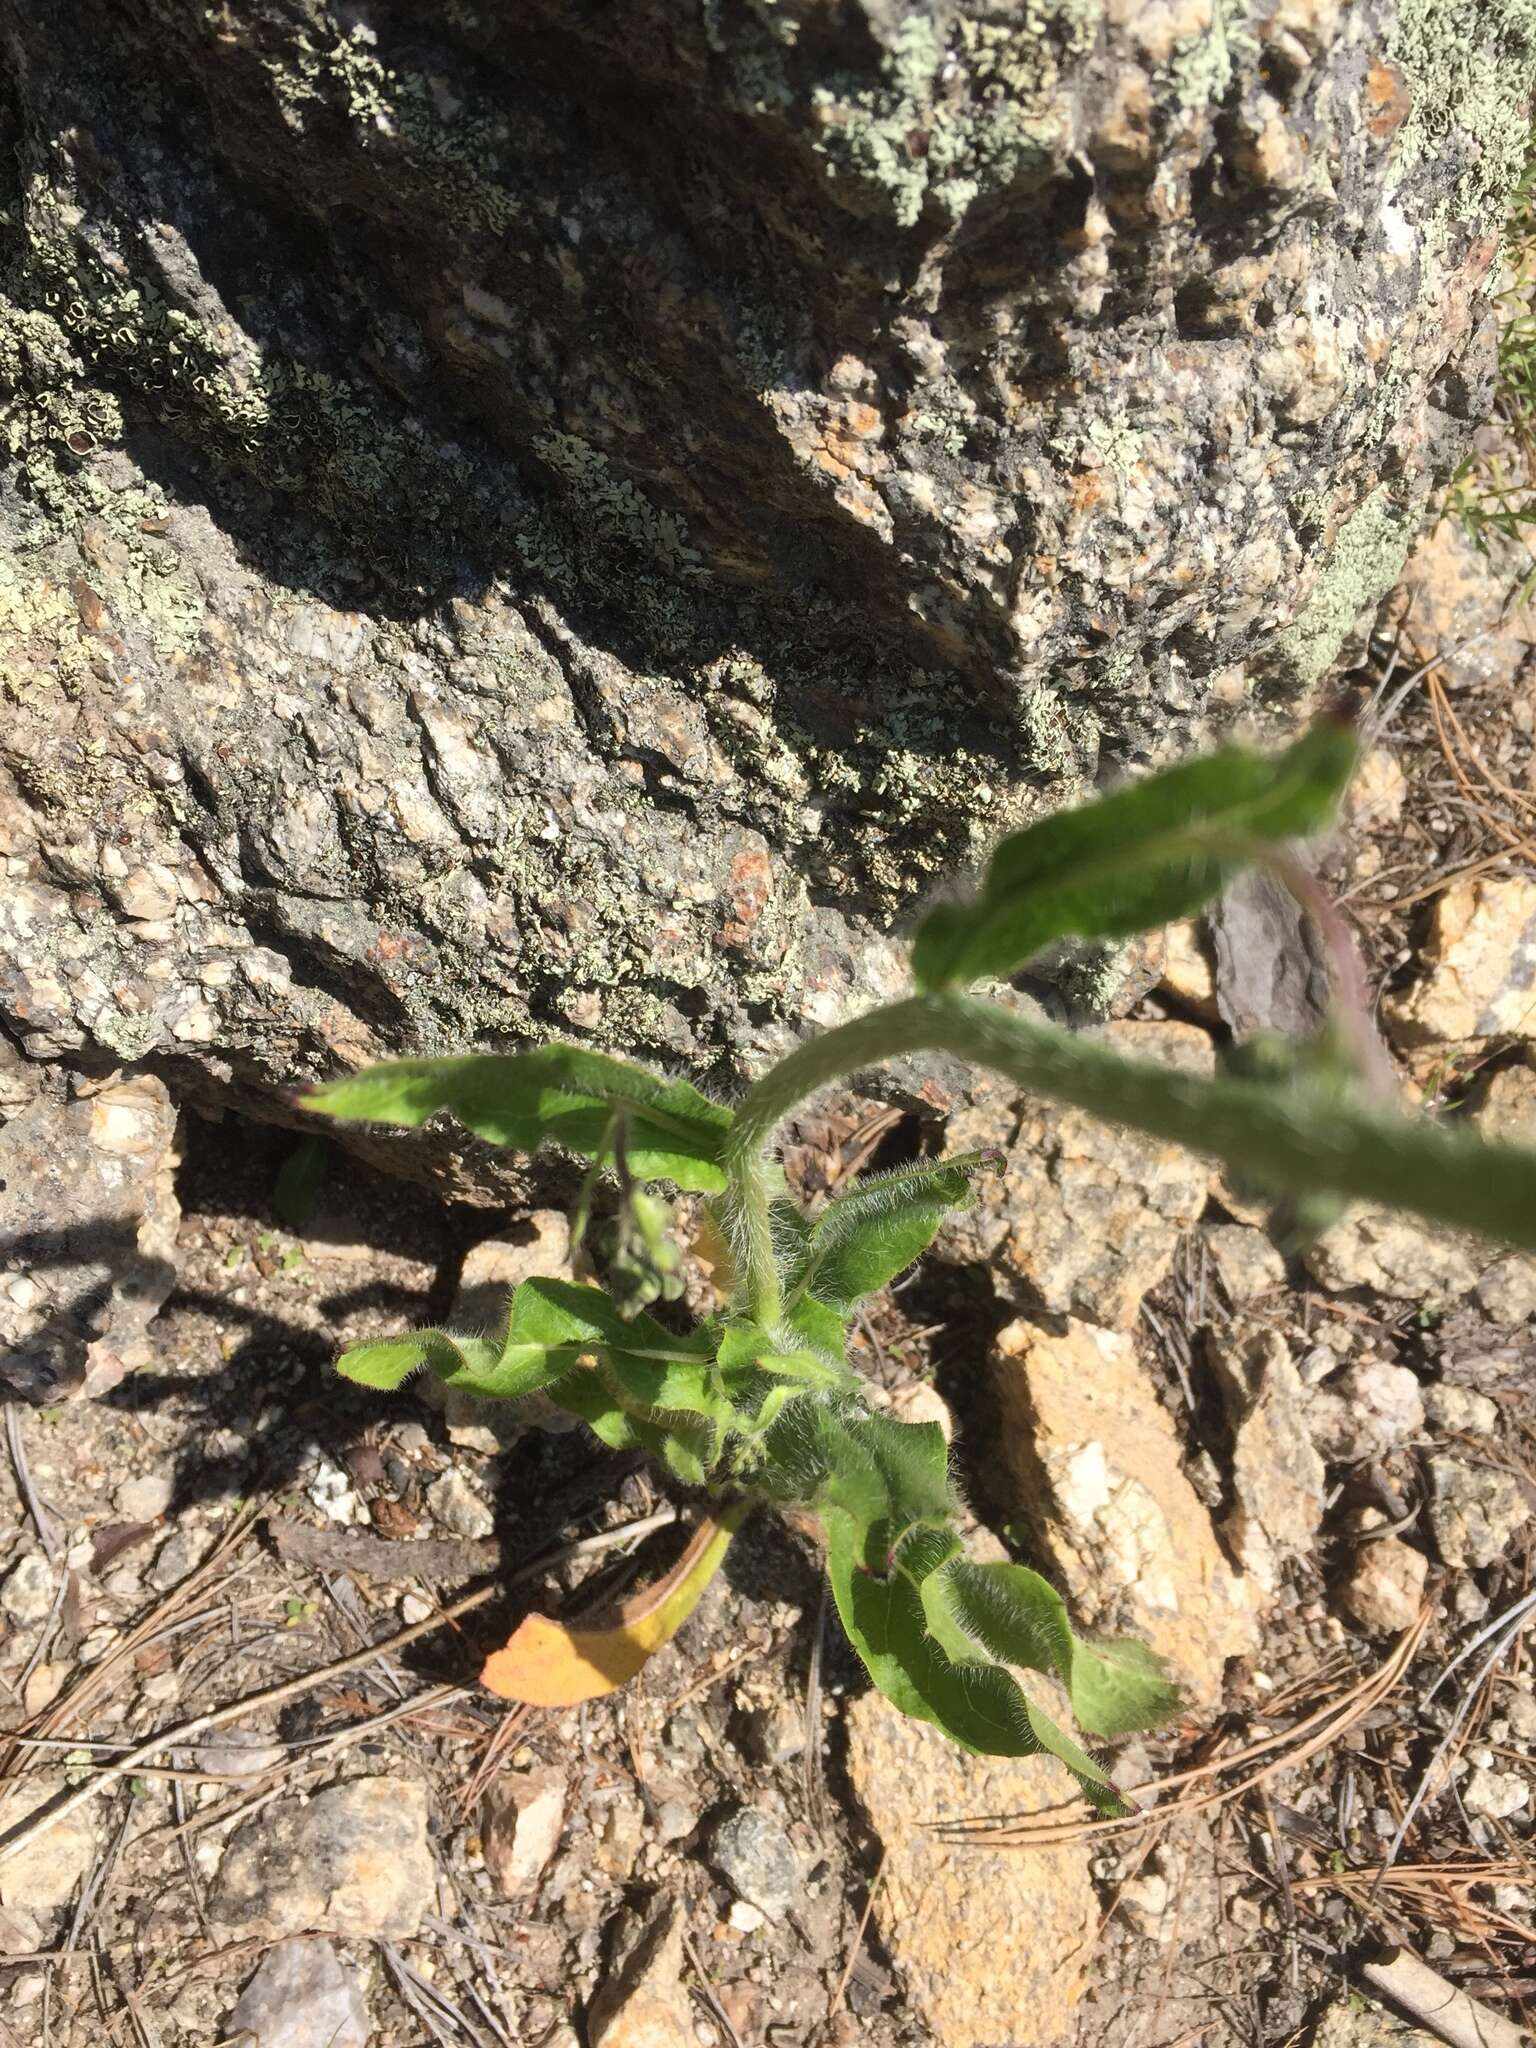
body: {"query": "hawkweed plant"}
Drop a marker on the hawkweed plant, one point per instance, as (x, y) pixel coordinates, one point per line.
(758, 1403)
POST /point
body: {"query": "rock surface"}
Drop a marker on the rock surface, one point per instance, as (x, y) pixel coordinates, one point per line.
(48, 1872)
(561, 517)
(1473, 1510)
(1097, 1471)
(1085, 1217)
(1394, 1255)
(521, 1819)
(1408, 1260)
(1246, 1261)
(29, 1590)
(459, 1508)
(1384, 1586)
(1351, 2023)
(642, 2002)
(1454, 590)
(757, 1859)
(353, 1861)
(1277, 1476)
(1496, 1795)
(145, 1498)
(1480, 966)
(1506, 1108)
(1460, 1410)
(991, 1943)
(88, 1216)
(303, 1996)
(1368, 1409)
(1188, 974)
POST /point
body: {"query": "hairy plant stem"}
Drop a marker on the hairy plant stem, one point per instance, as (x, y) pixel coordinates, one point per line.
(1281, 1141)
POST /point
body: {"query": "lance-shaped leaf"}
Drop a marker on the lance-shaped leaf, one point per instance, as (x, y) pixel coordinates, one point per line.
(497, 1367)
(1152, 852)
(821, 1327)
(760, 1374)
(743, 1343)
(887, 1505)
(976, 1703)
(546, 1664)
(684, 1446)
(1008, 1613)
(560, 1092)
(657, 1386)
(650, 1388)
(550, 1326)
(863, 1239)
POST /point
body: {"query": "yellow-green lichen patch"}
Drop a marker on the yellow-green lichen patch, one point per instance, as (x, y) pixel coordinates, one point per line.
(1470, 69)
(1206, 62)
(954, 122)
(1364, 564)
(447, 142)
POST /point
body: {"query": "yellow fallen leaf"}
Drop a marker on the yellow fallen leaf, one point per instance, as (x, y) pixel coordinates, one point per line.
(546, 1664)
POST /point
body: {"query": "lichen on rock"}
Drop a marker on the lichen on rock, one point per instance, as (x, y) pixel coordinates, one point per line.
(554, 519)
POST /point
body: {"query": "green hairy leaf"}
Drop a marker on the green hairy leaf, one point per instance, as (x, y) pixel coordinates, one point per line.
(558, 1092)
(1153, 852)
(863, 1239)
(550, 1324)
(683, 1447)
(1007, 1612)
(910, 1603)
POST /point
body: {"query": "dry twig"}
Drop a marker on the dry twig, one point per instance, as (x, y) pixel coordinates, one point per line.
(1398, 1976)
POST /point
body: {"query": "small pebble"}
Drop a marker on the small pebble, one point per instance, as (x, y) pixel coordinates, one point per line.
(234, 1759)
(181, 1554)
(757, 1859)
(27, 1595)
(1460, 1410)
(303, 1996)
(458, 1508)
(144, 1499)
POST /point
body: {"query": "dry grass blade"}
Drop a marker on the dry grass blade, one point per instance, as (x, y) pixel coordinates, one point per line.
(1519, 841)
(1440, 1893)
(1503, 1631)
(97, 1676)
(432, 2007)
(1448, 724)
(854, 1947)
(41, 1520)
(18, 1838)
(1377, 717)
(1209, 1784)
(706, 1990)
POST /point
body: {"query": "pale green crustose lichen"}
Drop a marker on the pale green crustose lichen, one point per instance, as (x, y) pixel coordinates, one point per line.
(1365, 561)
